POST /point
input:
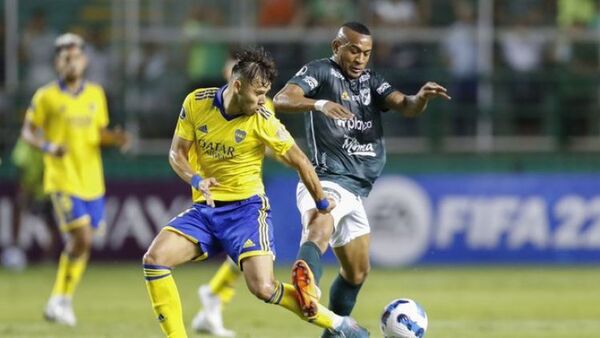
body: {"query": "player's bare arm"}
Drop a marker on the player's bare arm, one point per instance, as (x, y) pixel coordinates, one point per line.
(178, 159)
(296, 158)
(291, 99)
(116, 137)
(35, 137)
(413, 105)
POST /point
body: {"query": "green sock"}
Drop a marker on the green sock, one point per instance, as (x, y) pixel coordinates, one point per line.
(342, 296)
(311, 254)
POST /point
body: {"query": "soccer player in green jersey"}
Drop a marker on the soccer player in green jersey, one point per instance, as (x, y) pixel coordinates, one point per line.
(344, 102)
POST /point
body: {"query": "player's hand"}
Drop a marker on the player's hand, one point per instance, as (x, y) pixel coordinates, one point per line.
(336, 111)
(204, 188)
(121, 139)
(55, 150)
(332, 205)
(431, 90)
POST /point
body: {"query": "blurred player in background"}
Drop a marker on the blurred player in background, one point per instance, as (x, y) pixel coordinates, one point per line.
(347, 150)
(218, 148)
(67, 120)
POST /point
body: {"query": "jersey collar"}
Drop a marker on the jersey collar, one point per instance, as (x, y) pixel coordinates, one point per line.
(63, 87)
(220, 103)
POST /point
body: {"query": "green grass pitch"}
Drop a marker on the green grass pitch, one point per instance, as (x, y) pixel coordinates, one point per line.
(462, 302)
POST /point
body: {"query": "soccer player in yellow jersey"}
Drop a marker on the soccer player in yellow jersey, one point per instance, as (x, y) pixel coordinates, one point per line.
(223, 132)
(67, 120)
(221, 288)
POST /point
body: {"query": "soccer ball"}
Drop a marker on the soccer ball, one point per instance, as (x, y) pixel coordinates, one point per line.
(403, 318)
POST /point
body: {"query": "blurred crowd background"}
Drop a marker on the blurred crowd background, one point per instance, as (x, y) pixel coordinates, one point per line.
(523, 74)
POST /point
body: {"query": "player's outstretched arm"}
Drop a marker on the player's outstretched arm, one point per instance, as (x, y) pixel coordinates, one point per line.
(298, 160)
(413, 105)
(291, 99)
(34, 136)
(178, 159)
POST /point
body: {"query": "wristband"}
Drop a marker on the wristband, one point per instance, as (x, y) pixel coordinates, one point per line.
(47, 147)
(196, 179)
(322, 204)
(320, 105)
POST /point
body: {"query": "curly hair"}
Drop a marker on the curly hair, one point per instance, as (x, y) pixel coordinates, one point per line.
(255, 63)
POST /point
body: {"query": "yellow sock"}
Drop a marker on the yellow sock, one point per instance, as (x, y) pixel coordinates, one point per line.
(68, 274)
(223, 282)
(165, 300)
(285, 296)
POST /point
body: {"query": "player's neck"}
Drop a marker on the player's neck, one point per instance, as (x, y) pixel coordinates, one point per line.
(230, 107)
(72, 85)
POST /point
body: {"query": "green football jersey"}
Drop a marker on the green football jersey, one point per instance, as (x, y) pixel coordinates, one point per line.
(348, 152)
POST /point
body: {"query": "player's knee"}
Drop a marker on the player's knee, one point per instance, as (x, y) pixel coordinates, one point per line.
(150, 257)
(81, 243)
(358, 276)
(263, 290)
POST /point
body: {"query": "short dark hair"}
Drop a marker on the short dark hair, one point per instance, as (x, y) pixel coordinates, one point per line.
(255, 63)
(357, 27)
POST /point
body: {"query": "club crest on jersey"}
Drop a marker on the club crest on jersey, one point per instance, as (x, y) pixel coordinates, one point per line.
(240, 135)
(345, 96)
(365, 96)
(336, 74)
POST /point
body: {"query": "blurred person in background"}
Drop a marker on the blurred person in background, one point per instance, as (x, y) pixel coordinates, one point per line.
(218, 149)
(578, 62)
(67, 120)
(204, 58)
(459, 49)
(345, 101)
(30, 196)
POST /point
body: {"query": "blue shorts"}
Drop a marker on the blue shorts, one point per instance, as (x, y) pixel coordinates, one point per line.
(241, 229)
(72, 212)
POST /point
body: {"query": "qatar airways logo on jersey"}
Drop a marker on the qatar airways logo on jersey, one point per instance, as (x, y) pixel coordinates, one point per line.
(216, 149)
(355, 124)
(353, 147)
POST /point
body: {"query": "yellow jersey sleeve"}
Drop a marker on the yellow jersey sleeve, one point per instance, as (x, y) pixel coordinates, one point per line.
(273, 133)
(185, 124)
(102, 116)
(37, 112)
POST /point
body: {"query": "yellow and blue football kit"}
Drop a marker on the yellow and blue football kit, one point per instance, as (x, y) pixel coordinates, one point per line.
(231, 149)
(75, 181)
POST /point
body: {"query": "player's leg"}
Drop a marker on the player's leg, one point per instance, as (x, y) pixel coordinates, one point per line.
(213, 296)
(354, 262)
(317, 232)
(168, 249)
(74, 219)
(185, 238)
(350, 243)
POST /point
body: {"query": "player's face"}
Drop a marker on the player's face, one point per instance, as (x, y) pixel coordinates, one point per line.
(353, 54)
(71, 63)
(252, 95)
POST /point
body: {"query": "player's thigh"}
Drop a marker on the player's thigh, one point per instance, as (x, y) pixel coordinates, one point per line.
(170, 248)
(354, 259)
(70, 212)
(95, 208)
